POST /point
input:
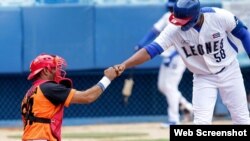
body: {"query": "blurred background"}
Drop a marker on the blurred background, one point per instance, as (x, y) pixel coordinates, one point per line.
(92, 35)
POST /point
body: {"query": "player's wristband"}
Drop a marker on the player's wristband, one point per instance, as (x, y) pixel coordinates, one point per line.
(103, 83)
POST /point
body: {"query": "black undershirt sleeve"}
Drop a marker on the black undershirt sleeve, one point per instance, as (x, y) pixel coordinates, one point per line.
(55, 93)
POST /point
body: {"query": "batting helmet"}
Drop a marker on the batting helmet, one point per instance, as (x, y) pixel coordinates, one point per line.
(170, 5)
(186, 13)
(48, 61)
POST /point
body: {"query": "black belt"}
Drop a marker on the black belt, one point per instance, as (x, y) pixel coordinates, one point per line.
(38, 119)
(220, 70)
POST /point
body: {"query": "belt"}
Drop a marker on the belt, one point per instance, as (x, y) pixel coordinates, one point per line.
(220, 70)
(32, 118)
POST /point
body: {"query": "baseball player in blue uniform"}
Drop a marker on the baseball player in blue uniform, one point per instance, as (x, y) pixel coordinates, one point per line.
(202, 37)
(170, 73)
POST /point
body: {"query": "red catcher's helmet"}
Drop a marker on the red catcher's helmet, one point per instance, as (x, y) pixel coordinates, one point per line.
(48, 61)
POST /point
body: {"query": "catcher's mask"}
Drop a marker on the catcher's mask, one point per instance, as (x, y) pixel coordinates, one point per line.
(186, 13)
(48, 61)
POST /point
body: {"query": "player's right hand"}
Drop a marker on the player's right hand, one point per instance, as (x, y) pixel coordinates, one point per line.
(119, 68)
(111, 73)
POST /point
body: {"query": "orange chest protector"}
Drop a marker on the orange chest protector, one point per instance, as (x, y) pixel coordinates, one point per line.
(29, 117)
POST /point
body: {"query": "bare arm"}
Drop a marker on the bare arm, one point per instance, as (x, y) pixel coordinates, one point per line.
(87, 96)
(144, 54)
(91, 94)
(139, 57)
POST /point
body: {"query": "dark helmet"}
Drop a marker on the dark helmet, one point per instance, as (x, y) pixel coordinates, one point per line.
(186, 13)
(170, 5)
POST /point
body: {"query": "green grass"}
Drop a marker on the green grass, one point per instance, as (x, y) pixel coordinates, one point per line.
(15, 136)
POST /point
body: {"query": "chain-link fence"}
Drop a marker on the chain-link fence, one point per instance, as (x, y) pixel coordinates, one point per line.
(145, 100)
